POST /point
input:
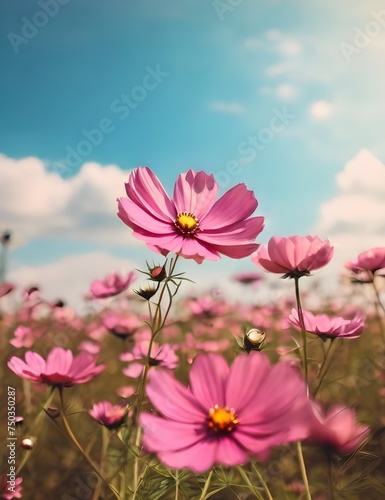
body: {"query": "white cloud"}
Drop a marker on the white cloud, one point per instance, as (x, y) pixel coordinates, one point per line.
(69, 278)
(37, 203)
(290, 47)
(273, 35)
(286, 92)
(354, 219)
(321, 110)
(227, 107)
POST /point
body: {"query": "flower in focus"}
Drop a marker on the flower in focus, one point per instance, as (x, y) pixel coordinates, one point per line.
(367, 265)
(294, 256)
(161, 356)
(192, 224)
(327, 326)
(113, 284)
(226, 414)
(61, 368)
(5, 492)
(337, 429)
(109, 415)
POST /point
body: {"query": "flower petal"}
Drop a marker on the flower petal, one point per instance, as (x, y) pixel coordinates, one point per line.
(235, 205)
(195, 192)
(207, 380)
(173, 399)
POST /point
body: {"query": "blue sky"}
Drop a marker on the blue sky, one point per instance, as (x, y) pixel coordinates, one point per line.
(192, 84)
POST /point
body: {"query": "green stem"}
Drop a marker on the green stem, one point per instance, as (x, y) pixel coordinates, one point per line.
(303, 331)
(103, 454)
(249, 483)
(176, 485)
(262, 481)
(157, 323)
(76, 443)
(303, 470)
(206, 485)
(35, 430)
(326, 363)
(378, 305)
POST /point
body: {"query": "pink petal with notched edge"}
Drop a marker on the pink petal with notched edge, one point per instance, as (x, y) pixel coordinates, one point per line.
(207, 380)
(240, 232)
(236, 204)
(246, 375)
(195, 192)
(134, 215)
(20, 368)
(35, 362)
(145, 189)
(59, 361)
(173, 399)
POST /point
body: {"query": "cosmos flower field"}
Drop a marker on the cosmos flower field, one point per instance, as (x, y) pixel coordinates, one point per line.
(154, 395)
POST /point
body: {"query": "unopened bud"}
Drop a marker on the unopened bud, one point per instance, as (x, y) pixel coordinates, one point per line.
(52, 411)
(254, 339)
(158, 273)
(28, 443)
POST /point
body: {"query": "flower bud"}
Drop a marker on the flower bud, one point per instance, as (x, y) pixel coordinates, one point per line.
(254, 339)
(28, 443)
(158, 273)
(52, 411)
(147, 291)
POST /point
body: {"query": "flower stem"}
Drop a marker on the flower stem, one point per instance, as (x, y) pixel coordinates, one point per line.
(334, 342)
(158, 321)
(330, 477)
(76, 443)
(206, 485)
(378, 305)
(303, 331)
(103, 454)
(303, 470)
(262, 481)
(249, 483)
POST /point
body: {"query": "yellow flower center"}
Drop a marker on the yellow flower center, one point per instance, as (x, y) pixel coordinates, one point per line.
(187, 223)
(222, 419)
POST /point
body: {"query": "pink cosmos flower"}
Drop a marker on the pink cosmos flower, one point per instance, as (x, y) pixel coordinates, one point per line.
(161, 356)
(109, 415)
(113, 284)
(327, 326)
(121, 325)
(294, 256)
(192, 224)
(60, 369)
(226, 414)
(337, 429)
(5, 492)
(368, 264)
(247, 278)
(6, 288)
(24, 337)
